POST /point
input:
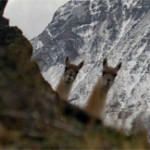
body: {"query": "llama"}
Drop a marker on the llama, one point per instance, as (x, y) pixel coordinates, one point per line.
(97, 99)
(64, 87)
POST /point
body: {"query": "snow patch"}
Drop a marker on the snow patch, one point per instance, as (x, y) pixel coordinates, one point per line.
(128, 3)
(39, 44)
(53, 75)
(48, 32)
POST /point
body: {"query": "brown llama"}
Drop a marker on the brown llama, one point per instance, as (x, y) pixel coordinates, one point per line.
(65, 84)
(96, 101)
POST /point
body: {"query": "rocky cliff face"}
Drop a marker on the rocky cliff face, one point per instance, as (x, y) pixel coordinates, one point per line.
(94, 29)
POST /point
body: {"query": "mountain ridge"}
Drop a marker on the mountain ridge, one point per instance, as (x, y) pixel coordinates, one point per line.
(90, 31)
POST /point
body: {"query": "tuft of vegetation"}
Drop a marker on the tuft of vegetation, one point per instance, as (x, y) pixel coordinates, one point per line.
(31, 114)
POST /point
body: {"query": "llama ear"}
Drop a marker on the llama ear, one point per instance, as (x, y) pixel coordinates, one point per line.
(67, 60)
(80, 65)
(105, 62)
(118, 66)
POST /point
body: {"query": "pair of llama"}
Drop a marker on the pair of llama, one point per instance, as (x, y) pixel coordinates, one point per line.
(98, 96)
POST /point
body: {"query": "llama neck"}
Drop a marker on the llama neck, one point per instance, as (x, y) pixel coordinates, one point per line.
(101, 90)
(97, 99)
(63, 89)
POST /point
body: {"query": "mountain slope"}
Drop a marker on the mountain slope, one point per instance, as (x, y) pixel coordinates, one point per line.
(90, 31)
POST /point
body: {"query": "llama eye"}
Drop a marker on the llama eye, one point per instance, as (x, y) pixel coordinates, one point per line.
(66, 68)
(114, 75)
(104, 72)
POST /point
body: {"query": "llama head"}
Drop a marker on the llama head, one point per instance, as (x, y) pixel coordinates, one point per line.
(109, 74)
(71, 70)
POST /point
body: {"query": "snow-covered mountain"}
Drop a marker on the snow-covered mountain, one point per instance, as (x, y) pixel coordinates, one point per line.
(91, 30)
